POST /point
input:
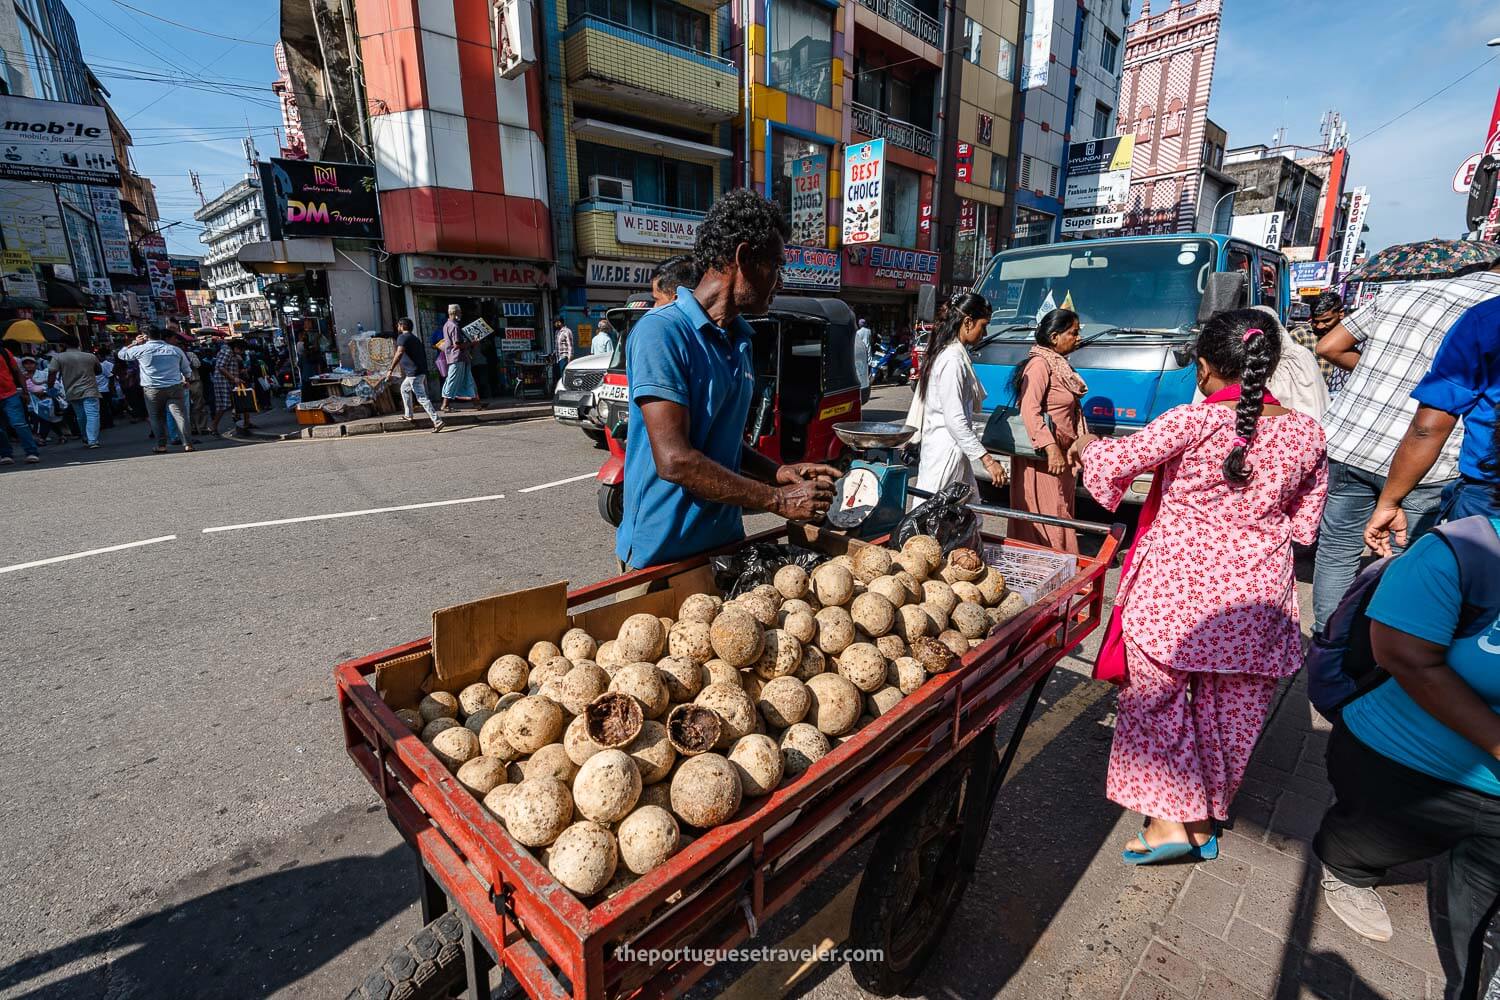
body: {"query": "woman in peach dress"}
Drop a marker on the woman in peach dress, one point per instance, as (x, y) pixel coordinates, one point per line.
(1048, 393)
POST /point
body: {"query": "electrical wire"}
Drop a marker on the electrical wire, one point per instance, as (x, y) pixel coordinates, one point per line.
(189, 27)
(1425, 100)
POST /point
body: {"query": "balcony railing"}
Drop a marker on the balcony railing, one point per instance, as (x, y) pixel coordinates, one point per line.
(645, 208)
(879, 125)
(904, 15)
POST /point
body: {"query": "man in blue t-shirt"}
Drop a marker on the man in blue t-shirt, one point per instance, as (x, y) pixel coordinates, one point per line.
(688, 473)
(1464, 381)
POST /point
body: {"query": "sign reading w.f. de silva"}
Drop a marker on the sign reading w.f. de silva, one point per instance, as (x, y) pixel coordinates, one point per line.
(650, 229)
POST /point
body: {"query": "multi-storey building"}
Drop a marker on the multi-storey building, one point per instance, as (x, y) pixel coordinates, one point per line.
(1169, 70)
(892, 63)
(983, 132)
(1071, 98)
(639, 97)
(1275, 180)
(230, 221)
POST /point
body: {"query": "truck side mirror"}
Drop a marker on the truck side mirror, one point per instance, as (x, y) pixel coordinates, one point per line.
(1226, 290)
(926, 303)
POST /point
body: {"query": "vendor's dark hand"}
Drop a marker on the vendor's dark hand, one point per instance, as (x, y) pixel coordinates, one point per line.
(803, 499)
(799, 471)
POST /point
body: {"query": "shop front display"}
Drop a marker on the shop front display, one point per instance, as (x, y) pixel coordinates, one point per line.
(513, 298)
(880, 284)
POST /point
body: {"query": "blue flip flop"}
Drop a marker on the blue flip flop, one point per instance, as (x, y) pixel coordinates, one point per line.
(1207, 851)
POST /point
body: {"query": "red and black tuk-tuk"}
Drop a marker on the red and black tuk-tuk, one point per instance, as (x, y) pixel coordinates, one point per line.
(805, 382)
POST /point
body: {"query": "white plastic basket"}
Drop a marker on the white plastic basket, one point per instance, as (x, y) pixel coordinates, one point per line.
(1032, 573)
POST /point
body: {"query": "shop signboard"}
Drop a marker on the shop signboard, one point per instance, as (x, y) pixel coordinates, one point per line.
(1311, 276)
(186, 270)
(477, 273)
(153, 245)
(160, 272)
(56, 141)
(964, 162)
(1097, 188)
(517, 338)
(1262, 228)
(1359, 204)
(810, 199)
(655, 229)
(864, 179)
(882, 266)
(618, 273)
(515, 39)
(313, 199)
(30, 221)
(811, 269)
(98, 286)
(1038, 56)
(518, 310)
(113, 238)
(17, 275)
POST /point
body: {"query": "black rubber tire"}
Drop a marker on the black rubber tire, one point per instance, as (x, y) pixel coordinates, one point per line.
(430, 966)
(612, 503)
(917, 873)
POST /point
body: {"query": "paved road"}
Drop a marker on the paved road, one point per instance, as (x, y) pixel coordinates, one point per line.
(178, 815)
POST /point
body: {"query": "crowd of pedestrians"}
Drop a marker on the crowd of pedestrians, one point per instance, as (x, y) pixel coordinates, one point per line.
(163, 378)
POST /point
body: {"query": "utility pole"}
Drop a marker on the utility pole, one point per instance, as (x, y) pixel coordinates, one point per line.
(944, 226)
(197, 187)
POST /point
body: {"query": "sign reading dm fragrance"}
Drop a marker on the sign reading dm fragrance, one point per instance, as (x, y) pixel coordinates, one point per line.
(810, 199)
(864, 177)
(54, 141)
(648, 229)
(305, 198)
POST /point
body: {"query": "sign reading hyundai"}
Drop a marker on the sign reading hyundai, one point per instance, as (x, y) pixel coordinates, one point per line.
(306, 198)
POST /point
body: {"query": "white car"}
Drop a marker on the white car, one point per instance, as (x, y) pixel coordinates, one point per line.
(573, 401)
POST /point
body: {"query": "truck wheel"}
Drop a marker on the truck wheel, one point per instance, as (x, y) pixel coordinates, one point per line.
(612, 503)
(919, 869)
(428, 967)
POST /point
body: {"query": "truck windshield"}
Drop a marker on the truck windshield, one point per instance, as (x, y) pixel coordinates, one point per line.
(1125, 289)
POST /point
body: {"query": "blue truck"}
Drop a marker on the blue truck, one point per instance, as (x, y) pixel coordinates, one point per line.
(1141, 301)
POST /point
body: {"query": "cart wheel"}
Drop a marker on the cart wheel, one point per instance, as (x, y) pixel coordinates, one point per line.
(919, 869)
(428, 967)
(612, 503)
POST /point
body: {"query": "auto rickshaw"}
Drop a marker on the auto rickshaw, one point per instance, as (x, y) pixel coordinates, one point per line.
(805, 382)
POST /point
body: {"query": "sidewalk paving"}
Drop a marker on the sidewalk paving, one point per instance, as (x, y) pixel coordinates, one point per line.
(1253, 923)
(499, 411)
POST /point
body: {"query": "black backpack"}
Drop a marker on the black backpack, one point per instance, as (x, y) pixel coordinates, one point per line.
(1340, 663)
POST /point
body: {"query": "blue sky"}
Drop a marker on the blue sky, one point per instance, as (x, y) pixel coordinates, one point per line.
(1285, 62)
(1281, 62)
(199, 92)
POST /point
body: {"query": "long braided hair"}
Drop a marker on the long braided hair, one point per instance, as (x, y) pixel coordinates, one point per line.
(1244, 346)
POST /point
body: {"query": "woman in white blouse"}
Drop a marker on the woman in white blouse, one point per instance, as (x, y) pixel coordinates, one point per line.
(948, 394)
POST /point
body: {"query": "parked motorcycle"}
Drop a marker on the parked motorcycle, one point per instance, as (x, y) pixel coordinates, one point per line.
(889, 363)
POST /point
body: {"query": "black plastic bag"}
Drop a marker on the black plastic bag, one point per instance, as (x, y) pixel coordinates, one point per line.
(740, 572)
(946, 517)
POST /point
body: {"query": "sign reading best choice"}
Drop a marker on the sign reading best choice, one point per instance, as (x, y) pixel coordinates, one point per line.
(55, 141)
(864, 176)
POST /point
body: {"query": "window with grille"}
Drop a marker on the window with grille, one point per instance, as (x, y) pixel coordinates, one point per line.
(1052, 179)
(1025, 171)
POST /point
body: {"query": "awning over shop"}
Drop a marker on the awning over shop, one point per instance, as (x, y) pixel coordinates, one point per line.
(63, 294)
(648, 142)
(285, 256)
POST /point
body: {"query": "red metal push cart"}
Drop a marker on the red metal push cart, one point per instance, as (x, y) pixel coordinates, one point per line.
(924, 776)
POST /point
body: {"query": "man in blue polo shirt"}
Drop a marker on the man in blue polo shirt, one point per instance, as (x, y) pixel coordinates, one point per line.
(1464, 381)
(688, 474)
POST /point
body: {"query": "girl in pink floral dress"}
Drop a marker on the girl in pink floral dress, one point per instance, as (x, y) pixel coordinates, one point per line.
(1209, 601)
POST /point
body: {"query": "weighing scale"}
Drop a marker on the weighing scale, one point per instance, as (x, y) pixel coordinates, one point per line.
(871, 499)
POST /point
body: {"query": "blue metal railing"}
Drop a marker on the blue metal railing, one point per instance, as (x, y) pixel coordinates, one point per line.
(610, 205)
(629, 34)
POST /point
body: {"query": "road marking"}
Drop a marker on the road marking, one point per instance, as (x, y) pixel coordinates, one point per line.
(90, 552)
(353, 513)
(560, 482)
(829, 927)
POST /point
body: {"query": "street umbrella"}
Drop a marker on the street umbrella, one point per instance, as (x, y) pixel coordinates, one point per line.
(1427, 260)
(28, 331)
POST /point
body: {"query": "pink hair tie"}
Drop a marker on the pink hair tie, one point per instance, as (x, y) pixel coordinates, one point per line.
(1250, 333)
(1240, 442)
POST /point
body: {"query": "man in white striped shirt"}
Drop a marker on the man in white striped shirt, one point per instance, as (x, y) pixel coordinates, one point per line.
(1386, 347)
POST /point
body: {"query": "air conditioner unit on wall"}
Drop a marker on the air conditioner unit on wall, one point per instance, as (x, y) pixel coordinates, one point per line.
(611, 188)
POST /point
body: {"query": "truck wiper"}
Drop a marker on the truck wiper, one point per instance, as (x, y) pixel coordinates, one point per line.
(991, 338)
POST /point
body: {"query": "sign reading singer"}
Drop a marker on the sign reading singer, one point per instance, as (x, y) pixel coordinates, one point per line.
(864, 181)
(306, 198)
